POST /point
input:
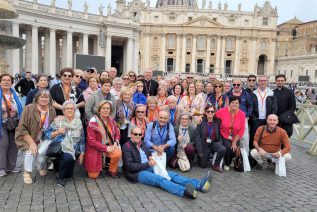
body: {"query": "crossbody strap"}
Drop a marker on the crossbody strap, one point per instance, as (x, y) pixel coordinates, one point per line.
(106, 129)
(263, 128)
(6, 104)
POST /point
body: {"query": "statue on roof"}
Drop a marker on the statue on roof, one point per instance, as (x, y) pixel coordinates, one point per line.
(219, 6)
(70, 4)
(53, 3)
(109, 9)
(203, 4)
(210, 5)
(85, 7)
(101, 9)
(225, 6)
(239, 7)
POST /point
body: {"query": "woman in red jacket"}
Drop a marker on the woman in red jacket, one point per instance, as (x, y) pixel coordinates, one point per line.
(103, 137)
(231, 127)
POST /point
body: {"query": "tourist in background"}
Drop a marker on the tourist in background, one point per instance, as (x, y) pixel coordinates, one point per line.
(42, 84)
(24, 86)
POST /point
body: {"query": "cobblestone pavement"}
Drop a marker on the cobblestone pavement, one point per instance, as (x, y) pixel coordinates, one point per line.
(254, 191)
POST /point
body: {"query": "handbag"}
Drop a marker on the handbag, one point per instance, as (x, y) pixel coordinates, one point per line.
(280, 167)
(11, 123)
(238, 161)
(54, 150)
(183, 161)
(288, 117)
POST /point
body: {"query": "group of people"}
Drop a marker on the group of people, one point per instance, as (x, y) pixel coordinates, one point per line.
(101, 120)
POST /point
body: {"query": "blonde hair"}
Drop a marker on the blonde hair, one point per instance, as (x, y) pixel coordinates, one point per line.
(151, 99)
(139, 83)
(123, 91)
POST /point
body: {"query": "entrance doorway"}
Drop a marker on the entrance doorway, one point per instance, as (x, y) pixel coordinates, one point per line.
(117, 58)
(170, 65)
(228, 67)
(200, 66)
(262, 62)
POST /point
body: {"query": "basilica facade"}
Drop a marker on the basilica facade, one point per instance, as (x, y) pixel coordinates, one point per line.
(175, 36)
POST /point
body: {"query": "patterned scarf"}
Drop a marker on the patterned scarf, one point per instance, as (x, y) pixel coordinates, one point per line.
(102, 130)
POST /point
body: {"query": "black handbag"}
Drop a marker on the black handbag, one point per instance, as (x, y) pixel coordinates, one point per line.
(288, 117)
(54, 150)
(12, 122)
(238, 161)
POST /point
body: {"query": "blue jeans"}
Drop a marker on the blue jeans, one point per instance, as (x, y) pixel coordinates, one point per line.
(23, 100)
(175, 186)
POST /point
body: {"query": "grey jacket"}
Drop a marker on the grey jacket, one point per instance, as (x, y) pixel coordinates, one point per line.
(93, 101)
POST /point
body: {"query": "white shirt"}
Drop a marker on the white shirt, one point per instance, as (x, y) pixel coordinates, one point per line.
(261, 96)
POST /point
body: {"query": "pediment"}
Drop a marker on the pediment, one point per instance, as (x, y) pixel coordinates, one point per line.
(202, 21)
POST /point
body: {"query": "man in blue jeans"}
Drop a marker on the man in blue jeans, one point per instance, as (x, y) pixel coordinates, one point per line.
(139, 164)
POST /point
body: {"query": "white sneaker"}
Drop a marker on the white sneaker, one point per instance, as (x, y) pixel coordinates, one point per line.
(3, 173)
(227, 168)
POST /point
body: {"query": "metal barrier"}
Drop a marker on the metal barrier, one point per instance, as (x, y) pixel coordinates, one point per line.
(306, 130)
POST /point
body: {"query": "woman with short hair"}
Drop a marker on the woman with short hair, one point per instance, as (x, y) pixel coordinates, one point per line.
(152, 109)
(92, 87)
(35, 119)
(103, 137)
(139, 119)
(218, 98)
(42, 84)
(117, 84)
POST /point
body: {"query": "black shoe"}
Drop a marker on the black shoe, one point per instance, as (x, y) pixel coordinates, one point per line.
(60, 182)
(259, 167)
(190, 192)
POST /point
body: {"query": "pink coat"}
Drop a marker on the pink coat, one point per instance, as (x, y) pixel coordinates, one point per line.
(95, 147)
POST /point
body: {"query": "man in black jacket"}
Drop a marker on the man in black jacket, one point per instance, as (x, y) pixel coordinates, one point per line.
(264, 103)
(139, 168)
(286, 104)
(150, 85)
(26, 84)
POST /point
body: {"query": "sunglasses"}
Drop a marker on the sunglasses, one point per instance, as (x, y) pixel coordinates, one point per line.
(137, 134)
(210, 111)
(190, 77)
(90, 71)
(218, 86)
(66, 75)
(251, 80)
(236, 85)
(132, 76)
(125, 78)
(139, 111)
(140, 86)
(78, 76)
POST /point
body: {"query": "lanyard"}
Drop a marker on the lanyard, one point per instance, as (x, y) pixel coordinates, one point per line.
(147, 88)
(172, 111)
(159, 132)
(210, 128)
(184, 132)
(126, 111)
(218, 102)
(233, 117)
(179, 98)
(262, 97)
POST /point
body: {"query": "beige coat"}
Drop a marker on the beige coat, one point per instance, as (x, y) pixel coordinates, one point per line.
(29, 124)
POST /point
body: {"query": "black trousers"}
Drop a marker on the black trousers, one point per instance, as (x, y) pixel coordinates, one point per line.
(64, 165)
(212, 147)
(229, 153)
(254, 126)
(124, 136)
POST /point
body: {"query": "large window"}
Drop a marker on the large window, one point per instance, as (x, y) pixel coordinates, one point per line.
(201, 42)
(188, 43)
(229, 44)
(265, 21)
(212, 44)
(155, 42)
(171, 41)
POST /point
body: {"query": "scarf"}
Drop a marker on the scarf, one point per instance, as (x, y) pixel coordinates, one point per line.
(18, 103)
(102, 130)
(73, 135)
(183, 131)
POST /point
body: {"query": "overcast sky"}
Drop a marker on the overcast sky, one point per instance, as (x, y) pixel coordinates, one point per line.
(287, 9)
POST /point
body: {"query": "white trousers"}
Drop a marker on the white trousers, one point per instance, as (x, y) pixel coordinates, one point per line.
(244, 142)
(259, 158)
(29, 159)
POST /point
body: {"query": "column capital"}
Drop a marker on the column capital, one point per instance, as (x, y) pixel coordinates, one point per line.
(34, 27)
(52, 30)
(163, 34)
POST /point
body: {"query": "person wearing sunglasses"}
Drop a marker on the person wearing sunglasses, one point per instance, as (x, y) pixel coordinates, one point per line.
(245, 106)
(138, 96)
(232, 127)
(78, 75)
(218, 98)
(103, 137)
(125, 79)
(139, 164)
(124, 111)
(89, 71)
(139, 119)
(251, 84)
(65, 91)
(132, 76)
(208, 140)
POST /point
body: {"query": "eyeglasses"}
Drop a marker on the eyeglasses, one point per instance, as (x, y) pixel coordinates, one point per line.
(236, 85)
(66, 75)
(125, 78)
(251, 80)
(184, 118)
(78, 76)
(210, 111)
(141, 86)
(218, 86)
(139, 111)
(137, 134)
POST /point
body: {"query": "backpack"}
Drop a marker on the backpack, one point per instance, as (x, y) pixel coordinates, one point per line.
(168, 129)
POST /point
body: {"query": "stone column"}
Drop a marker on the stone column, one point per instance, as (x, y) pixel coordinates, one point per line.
(252, 69)
(100, 50)
(47, 49)
(271, 59)
(69, 51)
(28, 50)
(193, 65)
(129, 54)
(52, 55)
(178, 53)
(163, 52)
(218, 55)
(108, 52)
(80, 44)
(40, 58)
(236, 67)
(183, 62)
(146, 53)
(85, 43)
(35, 50)
(15, 66)
(223, 53)
(207, 55)
(136, 55)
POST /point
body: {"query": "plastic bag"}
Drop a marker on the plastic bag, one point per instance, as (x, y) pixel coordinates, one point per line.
(214, 159)
(160, 167)
(280, 168)
(43, 147)
(246, 163)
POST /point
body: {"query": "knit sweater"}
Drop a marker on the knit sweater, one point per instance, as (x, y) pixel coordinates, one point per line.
(271, 142)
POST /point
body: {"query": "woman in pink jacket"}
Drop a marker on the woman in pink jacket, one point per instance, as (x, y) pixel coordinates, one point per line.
(103, 137)
(231, 127)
